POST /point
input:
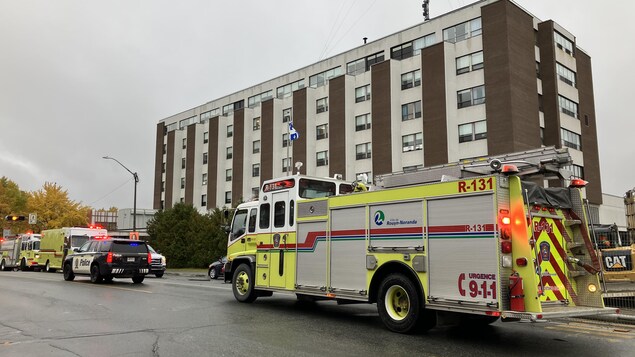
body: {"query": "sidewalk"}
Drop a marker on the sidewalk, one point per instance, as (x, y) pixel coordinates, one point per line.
(189, 273)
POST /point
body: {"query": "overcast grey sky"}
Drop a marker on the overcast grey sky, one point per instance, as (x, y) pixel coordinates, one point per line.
(83, 79)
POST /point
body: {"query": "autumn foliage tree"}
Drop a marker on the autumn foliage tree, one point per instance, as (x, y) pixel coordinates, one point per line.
(13, 201)
(55, 210)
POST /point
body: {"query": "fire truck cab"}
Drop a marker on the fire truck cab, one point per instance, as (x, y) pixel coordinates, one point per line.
(480, 243)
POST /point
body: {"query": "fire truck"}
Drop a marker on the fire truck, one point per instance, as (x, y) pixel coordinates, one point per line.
(474, 239)
(20, 251)
(55, 244)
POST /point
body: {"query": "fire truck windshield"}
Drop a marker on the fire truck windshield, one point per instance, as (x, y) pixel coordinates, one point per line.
(315, 188)
(240, 221)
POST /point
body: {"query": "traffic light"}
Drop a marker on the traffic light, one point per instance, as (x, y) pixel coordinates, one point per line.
(14, 218)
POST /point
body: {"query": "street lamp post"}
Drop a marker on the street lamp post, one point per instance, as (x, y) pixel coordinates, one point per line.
(136, 180)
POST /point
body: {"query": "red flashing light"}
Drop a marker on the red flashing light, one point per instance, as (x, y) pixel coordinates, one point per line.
(509, 169)
(109, 257)
(506, 220)
(578, 183)
(493, 313)
(506, 247)
(521, 262)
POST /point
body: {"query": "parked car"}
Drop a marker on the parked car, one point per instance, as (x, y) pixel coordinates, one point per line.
(158, 264)
(217, 268)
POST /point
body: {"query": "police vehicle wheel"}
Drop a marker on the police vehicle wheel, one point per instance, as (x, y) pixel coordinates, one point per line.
(108, 278)
(68, 272)
(399, 304)
(243, 284)
(95, 276)
(138, 279)
(212, 273)
(158, 275)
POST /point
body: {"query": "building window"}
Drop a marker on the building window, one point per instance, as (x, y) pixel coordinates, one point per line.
(568, 107)
(462, 31)
(571, 139)
(165, 148)
(473, 131)
(204, 200)
(228, 175)
(321, 79)
(182, 200)
(162, 186)
(255, 170)
(185, 122)
(412, 142)
(285, 140)
(286, 164)
(412, 48)
(204, 179)
(576, 171)
(286, 115)
(363, 64)
(363, 151)
(362, 93)
(228, 197)
(205, 137)
(228, 109)
(537, 69)
(411, 79)
(468, 63)
(182, 182)
(322, 132)
(322, 105)
(563, 43)
(184, 143)
(411, 110)
(256, 147)
(255, 191)
(204, 158)
(230, 131)
(471, 96)
(256, 123)
(182, 163)
(566, 75)
(206, 116)
(362, 122)
(322, 158)
(163, 168)
(412, 168)
(256, 99)
(229, 152)
(287, 90)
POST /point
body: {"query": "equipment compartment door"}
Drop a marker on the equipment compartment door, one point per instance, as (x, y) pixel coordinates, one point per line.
(462, 249)
(549, 236)
(348, 249)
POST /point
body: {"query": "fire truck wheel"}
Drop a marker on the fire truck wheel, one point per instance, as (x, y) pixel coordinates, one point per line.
(68, 272)
(399, 304)
(23, 266)
(95, 276)
(243, 284)
(3, 266)
(47, 267)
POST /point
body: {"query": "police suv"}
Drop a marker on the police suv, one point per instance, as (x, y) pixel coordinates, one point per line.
(105, 259)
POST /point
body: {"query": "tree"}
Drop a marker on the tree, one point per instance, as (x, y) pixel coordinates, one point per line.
(13, 201)
(55, 210)
(187, 238)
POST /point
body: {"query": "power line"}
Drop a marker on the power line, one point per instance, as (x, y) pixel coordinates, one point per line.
(109, 193)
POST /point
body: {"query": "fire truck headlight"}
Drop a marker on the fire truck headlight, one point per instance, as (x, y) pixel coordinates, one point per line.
(592, 288)
(37, 256)
(507, 261)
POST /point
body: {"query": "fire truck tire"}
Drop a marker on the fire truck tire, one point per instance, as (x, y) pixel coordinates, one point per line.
(23, 265)
(68, 272)
(3, 266)
(95, 276)
(47, 267)
(243, 284)
(400, 306)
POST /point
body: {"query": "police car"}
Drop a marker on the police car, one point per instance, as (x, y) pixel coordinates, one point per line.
(105, 259)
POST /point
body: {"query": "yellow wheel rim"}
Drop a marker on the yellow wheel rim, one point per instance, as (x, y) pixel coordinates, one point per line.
(397, 303)
(242, 283)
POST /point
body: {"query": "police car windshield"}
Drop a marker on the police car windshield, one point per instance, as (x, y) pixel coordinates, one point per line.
(128, 247)
(78, 241)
